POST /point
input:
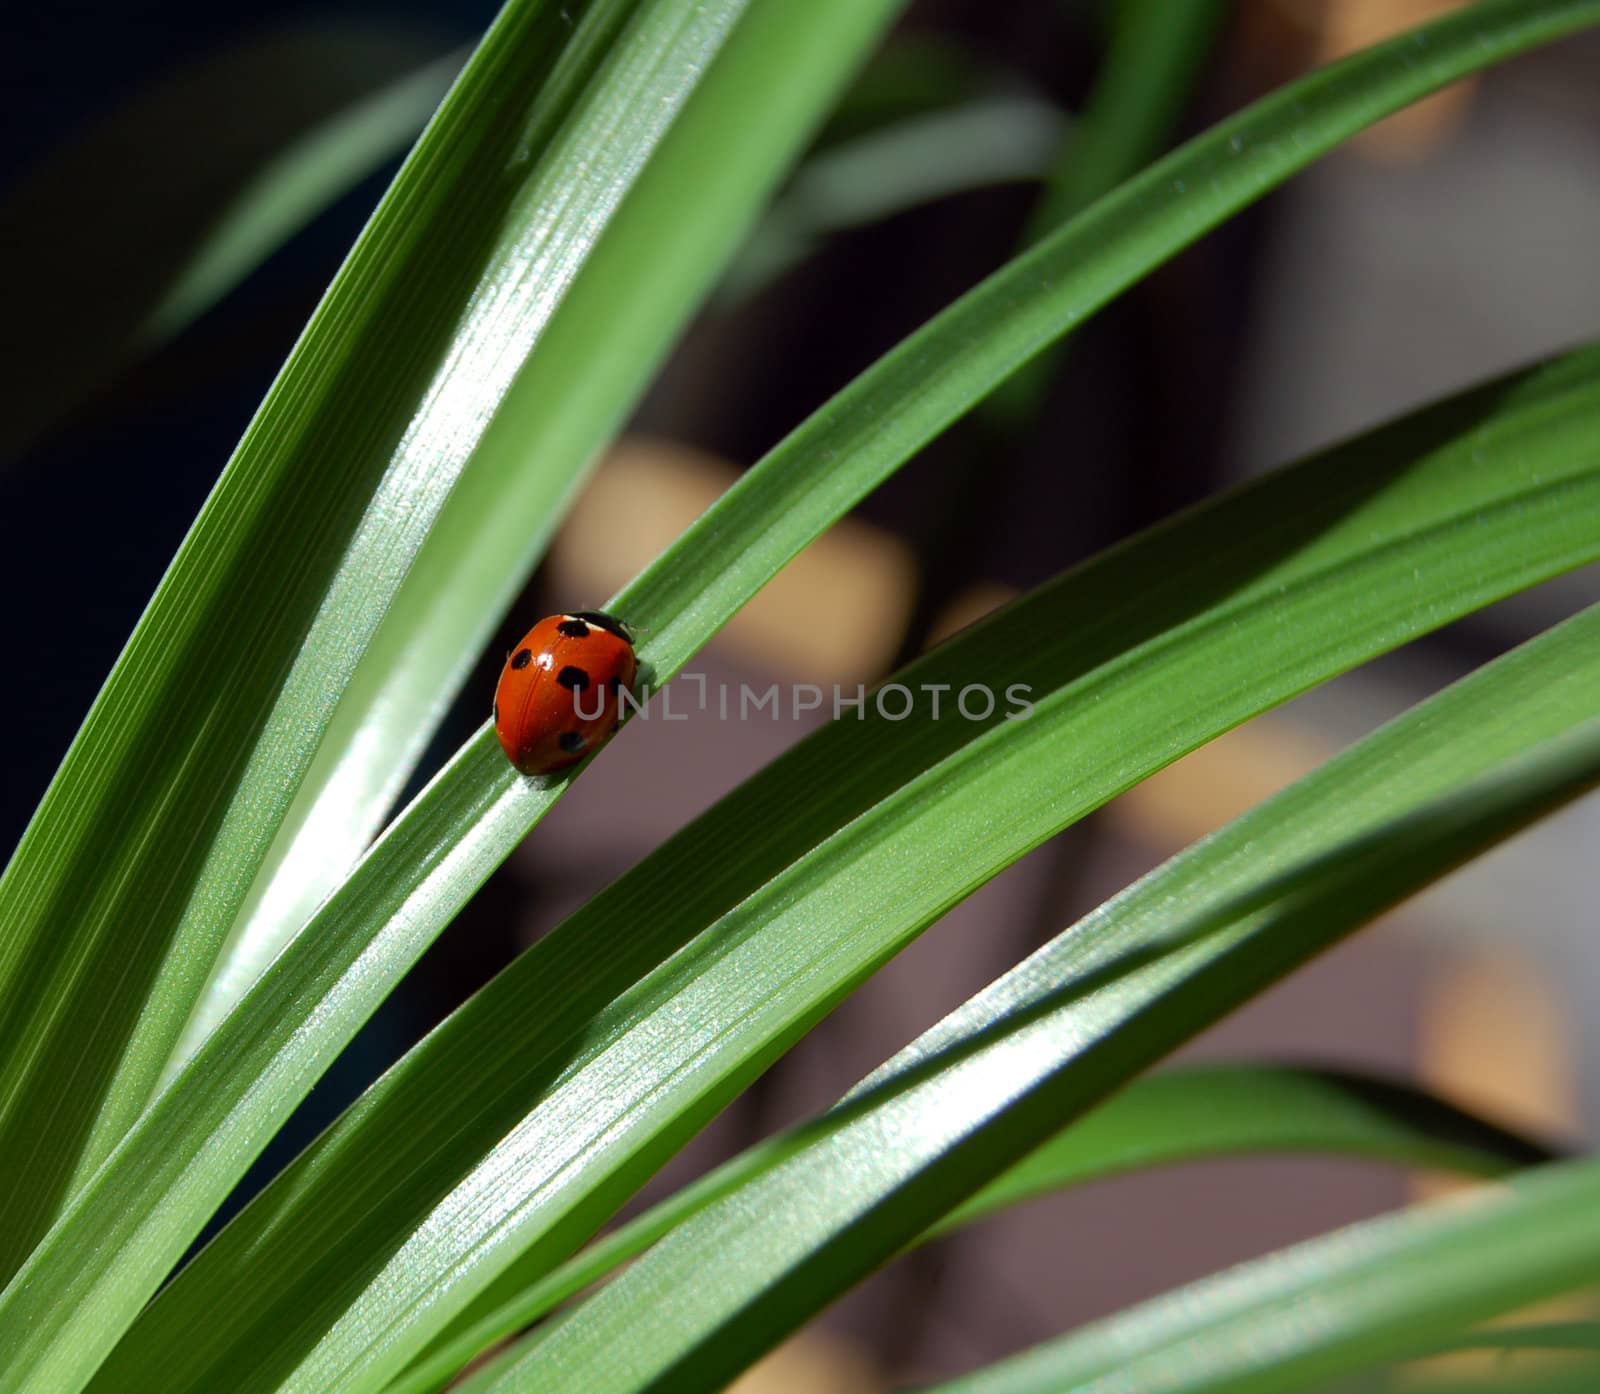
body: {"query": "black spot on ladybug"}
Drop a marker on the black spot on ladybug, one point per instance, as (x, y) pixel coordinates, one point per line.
(570, 741)
(573, 679)
(523, 659)
(615, 684)
(573, 629)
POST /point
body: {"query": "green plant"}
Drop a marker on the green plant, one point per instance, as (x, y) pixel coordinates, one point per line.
(194, 925)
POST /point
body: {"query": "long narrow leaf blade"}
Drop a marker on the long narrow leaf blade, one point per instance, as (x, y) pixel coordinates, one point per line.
(127, 879)
(1176, 1116)
(660, 255)
(298, 183)
(1073, 1022)
(81, 313)
(988, 141)
(982, 339)
(324, 986)
(1380, 1291)
(527, 1105)
(1219, 1110)
(1152, 63)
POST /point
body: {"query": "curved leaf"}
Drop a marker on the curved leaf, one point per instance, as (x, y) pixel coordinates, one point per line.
(1176, 1116)
(684, 216)
(992, 140)
(1152, 62)
(297, 184)
(1074, 1021)
(1384, 1290)
(1200, 1111)
(542, 1104)
(174, 728)
(127, 878)
(978, 341)
(164, 172)
(1550, 1335)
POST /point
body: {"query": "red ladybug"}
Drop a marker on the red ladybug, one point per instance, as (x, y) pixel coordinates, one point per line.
(560, 693)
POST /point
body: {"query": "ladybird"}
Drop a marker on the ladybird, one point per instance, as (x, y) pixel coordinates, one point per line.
(560, 693)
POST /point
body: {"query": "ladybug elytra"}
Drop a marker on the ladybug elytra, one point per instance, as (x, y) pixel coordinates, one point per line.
(560, 693)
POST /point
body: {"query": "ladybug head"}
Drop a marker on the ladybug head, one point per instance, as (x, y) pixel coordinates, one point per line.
(600, 620)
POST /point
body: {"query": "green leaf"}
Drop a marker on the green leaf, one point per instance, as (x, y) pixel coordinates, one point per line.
(296, 563)
(163, 169)
(539, 1107)
(1365, 1295)
(684, 217)
(438, 852)
(917, 72)
(1152, 62)
(1154, 58)
(1565, 1377)
(1077, 1019)
(1216, 1110)
(1176, 1116)
(1577, 1378)
(992, 140)
(297, 184)
(1546, 1335)
(126, 880)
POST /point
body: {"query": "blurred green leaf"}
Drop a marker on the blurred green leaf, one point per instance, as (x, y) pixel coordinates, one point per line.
(1077, 1019)
(1568, 1377)
(297, 184)
(1153, 60)
(1215, 1110)
(1546, 1335)
(1176, 1116)
(1154, 57)
(160, 168)
(915, 73)
(992, 140)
